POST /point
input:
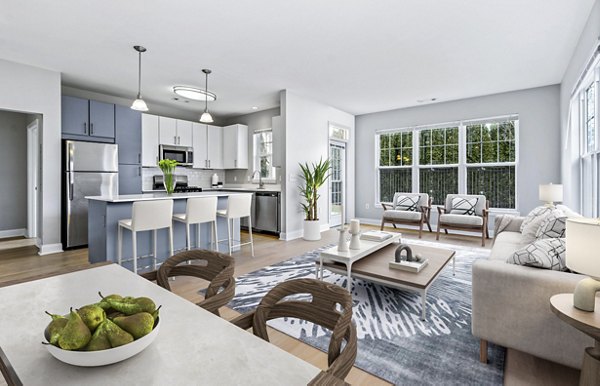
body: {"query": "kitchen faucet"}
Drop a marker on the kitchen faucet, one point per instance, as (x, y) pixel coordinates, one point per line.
(260, 182)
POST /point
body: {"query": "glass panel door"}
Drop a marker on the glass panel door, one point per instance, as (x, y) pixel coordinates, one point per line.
(337, 182)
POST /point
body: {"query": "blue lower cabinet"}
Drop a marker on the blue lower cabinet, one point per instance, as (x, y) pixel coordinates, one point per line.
(130, 179)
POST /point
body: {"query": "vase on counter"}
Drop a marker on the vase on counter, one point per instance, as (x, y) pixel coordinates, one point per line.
(168, 168)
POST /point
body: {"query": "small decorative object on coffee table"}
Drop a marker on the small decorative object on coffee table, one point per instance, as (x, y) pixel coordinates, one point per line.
(355, 232)
(343, 240)
(408, 262)
(587, 322)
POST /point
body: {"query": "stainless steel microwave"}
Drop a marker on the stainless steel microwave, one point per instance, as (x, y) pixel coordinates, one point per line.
(182, 154)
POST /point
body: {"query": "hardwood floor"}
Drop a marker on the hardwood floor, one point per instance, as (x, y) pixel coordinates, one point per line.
(23, 263)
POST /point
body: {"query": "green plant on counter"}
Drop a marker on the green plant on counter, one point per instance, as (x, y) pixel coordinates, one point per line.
(168, 167)
(314, 176)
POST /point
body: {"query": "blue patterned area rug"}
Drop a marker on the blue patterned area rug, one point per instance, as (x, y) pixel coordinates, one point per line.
(393, 343)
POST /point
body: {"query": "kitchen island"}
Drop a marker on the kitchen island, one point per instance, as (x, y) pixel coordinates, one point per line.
(104, 213)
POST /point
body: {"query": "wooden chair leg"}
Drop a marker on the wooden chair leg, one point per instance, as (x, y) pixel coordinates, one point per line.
(382, 223)
(446, 231)
(428, 224)
(483, 237)
(483, 351)
(437, 235)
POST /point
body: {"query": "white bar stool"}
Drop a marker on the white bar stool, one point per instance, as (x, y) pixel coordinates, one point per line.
(147, 216)
(238, 206)
(199, 210)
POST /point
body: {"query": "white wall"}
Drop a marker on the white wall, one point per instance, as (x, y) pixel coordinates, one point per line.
(307, 139)
(588, 41)
(539, 138)
(34, 90)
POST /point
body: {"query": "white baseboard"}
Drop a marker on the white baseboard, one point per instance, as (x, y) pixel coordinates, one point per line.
(371, 221)
(12, 233)
(47, 249)
(287, 236)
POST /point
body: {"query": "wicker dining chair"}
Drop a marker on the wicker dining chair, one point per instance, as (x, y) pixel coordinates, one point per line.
(215, 267)
(321, 309)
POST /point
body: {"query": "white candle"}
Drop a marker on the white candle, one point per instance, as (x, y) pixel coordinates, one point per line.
(354, 225)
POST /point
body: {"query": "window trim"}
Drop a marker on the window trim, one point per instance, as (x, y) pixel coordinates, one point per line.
(462, 157)
(255, 180)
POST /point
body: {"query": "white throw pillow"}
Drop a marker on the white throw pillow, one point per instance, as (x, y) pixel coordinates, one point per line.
(534, 219)
(543, 253)
(461, 205)
(553, 226)
(406, 203)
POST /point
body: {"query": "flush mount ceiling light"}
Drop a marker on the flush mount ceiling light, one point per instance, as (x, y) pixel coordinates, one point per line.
(206, 117)
(139, 104)
(426, 100)
(194, 93)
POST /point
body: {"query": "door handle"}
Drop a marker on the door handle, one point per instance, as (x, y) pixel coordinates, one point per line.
(84, 127)
(91, 128)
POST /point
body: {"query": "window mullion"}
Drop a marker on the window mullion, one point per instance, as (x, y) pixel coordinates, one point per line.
(415, 164)
(462, 159)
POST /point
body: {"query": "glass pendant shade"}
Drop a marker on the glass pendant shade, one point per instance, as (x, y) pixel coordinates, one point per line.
(139, 104)
(206, 117)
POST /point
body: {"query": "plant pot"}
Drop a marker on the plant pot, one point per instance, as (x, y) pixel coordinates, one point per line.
(312, 230)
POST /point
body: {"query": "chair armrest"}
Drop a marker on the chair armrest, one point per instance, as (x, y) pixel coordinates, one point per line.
(152, 275)
(244, 321)
(508, 223)
(387, 205)
(441, 210)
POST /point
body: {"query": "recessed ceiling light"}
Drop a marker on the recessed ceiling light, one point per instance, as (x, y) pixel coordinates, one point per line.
(254, 107)
(426, 100)
(194, 93)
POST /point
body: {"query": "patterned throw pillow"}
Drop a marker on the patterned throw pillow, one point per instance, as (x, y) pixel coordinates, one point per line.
(553, 226)
(462, 205)
(407, 203)
(543, 253)
(536, 214)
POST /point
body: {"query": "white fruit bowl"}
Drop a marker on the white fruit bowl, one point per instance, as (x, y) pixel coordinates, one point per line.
(103, 357)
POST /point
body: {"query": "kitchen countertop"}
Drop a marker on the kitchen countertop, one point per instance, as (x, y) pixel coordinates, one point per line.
(267, 189)
(157, 196)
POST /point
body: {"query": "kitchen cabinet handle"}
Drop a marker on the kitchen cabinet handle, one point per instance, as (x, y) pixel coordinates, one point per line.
(140, 171)
(235, 163)
(84, 127)
(209, 163)
(91, 128)
(139, 158)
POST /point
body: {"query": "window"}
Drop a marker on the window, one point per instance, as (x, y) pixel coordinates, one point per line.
(263, 154)
(395, 161)
(590, 117)
(590, 147)
(472, 157)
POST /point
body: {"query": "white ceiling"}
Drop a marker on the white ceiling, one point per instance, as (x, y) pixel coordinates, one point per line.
(359, 56)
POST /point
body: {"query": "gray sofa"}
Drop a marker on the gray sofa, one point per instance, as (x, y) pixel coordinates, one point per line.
(511, 303)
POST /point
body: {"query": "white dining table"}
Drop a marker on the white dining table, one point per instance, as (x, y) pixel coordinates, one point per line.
(193, 346)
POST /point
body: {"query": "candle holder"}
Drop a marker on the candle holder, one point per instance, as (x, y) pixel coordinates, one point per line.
(355, 240)
(343, 240)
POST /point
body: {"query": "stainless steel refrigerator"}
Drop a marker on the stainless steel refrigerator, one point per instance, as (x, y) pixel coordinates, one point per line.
(90, 169)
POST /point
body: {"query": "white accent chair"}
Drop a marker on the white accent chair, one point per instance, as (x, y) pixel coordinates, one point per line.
(199, 210)
(238, 207)
(415, 212)
(146, 216)
(476, 221)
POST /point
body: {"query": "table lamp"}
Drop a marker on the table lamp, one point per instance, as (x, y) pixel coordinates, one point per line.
(583, 256)
(551, 193)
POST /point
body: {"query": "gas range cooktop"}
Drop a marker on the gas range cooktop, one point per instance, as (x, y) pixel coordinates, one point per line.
(188, 189)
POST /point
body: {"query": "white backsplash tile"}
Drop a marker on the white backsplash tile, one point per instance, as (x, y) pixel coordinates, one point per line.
(196, 177)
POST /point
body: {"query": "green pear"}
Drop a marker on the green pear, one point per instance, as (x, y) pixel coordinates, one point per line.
(92, 315)
(137, 325)
(75, 334)
(104, 302)
(155, 313)
(132, 306)
(99, 340)
(55, 327)
(115, 334)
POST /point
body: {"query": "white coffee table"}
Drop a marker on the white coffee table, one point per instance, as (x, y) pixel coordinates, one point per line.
(353, 255)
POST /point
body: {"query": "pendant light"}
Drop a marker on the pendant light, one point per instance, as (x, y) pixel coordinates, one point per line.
(206, 117)
(139, 103)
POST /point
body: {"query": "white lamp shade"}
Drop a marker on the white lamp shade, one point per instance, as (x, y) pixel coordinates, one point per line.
(583, 246)
(551, 193)
(206, 117)
(139, 105)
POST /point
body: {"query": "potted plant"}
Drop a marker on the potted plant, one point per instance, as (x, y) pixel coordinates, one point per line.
(168, 167)
(314, 176)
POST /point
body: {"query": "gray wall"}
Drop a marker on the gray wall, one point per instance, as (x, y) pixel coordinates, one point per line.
(255, 121)
(13, 170)
(589, 40)
(539, 138)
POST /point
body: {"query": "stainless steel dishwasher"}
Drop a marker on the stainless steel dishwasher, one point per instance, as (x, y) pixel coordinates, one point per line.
(266, 212)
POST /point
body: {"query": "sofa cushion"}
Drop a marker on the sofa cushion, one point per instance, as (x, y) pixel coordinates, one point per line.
(506, 243)
(406, 203)
(568, 211)
(543, 253)
(461, 219)
(464, 205)
(401, 215)
(553, 226)
(479, 207)
(422, 199)
(533, 220)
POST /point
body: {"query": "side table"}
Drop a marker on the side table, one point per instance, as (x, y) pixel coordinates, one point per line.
(588, 323)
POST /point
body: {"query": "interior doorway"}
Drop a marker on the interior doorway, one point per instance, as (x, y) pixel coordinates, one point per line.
(337, 182)
(33, 177)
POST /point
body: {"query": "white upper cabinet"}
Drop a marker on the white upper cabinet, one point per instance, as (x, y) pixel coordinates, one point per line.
(149, 140)
(235, 147)
(199, 138)
(215, 147)
(168, 130)
(184, 133)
